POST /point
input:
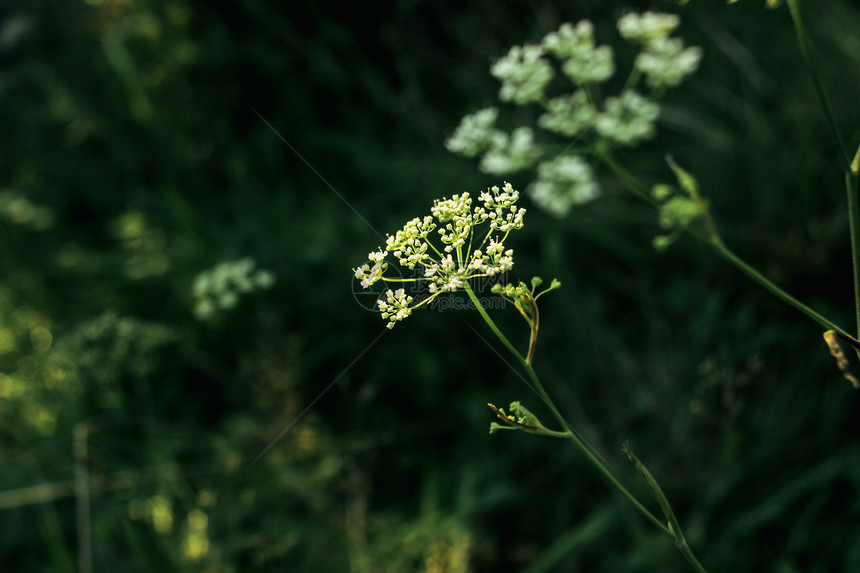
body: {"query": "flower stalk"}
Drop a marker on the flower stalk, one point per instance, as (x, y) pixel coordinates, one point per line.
(852, 182)
(710, 236)
(674, 526)
(567, 430)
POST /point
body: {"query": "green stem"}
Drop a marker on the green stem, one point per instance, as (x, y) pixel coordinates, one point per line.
(559, 418)
(851, 183)
(663, 502)
(534, 323)
(721, 248)
(853, 189)
(626, 178)
(713, 239)
(806, 51)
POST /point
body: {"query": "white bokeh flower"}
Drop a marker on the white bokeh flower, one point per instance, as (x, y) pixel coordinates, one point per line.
(511, 153)
(562, 183)
(218, 289)
(647, 27)
(665, 62)
(475, 133)
(627, 119)
(568, 115)
(524, 74)
(583, 62)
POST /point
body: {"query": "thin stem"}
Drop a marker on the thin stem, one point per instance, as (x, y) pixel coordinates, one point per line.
(535, 324)
(852, 188)
(721, 248)
(806, 51)
(492, 324)
(588, 453)
(713, 239)
(851, 183)
(626, 178)
(663, 502)
(559, 418)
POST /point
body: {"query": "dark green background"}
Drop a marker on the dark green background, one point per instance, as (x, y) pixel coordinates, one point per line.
(134, 123)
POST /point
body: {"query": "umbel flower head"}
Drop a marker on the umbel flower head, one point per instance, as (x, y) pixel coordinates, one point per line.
(579, 111)
(471, 236)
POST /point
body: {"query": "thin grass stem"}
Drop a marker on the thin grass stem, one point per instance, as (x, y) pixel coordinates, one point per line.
(533, 378)
(851, 181)
(712, 238)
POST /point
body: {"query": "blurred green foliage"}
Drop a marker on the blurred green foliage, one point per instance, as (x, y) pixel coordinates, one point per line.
(133, 160)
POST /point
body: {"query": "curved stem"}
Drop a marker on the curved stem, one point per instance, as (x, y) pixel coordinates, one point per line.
(533, 378)
(712, 238)
(626, 178)
(589, 454)
(492, 324)
(853, 191)
(751, 272)
(534, 323)
(851, 181)
(663, 502)
(806, 51)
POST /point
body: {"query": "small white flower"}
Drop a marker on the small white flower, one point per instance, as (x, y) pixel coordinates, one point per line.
(562, 183)
(665, 62)
(396, 306)
(568, 115)
(409, 244)
(510, 153)
(377, 256)
(627, 119)
(475, 133)
(454, 282)
(647, 27)
(524, 74)
(583, 62)
(455, 220)
(494, 248)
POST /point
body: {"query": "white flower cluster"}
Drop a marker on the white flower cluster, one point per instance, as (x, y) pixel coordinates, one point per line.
(503, 152)
(511, 153)
(627, 119)
(476, 133)
(663, 61)
(219, 287)
(583, 62)
(562, 183)
(463, 255)
(568, 115)
(524, 74)
(647, 27)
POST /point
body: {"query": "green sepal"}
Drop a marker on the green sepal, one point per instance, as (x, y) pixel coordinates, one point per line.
(521, 418)
(687, 182)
